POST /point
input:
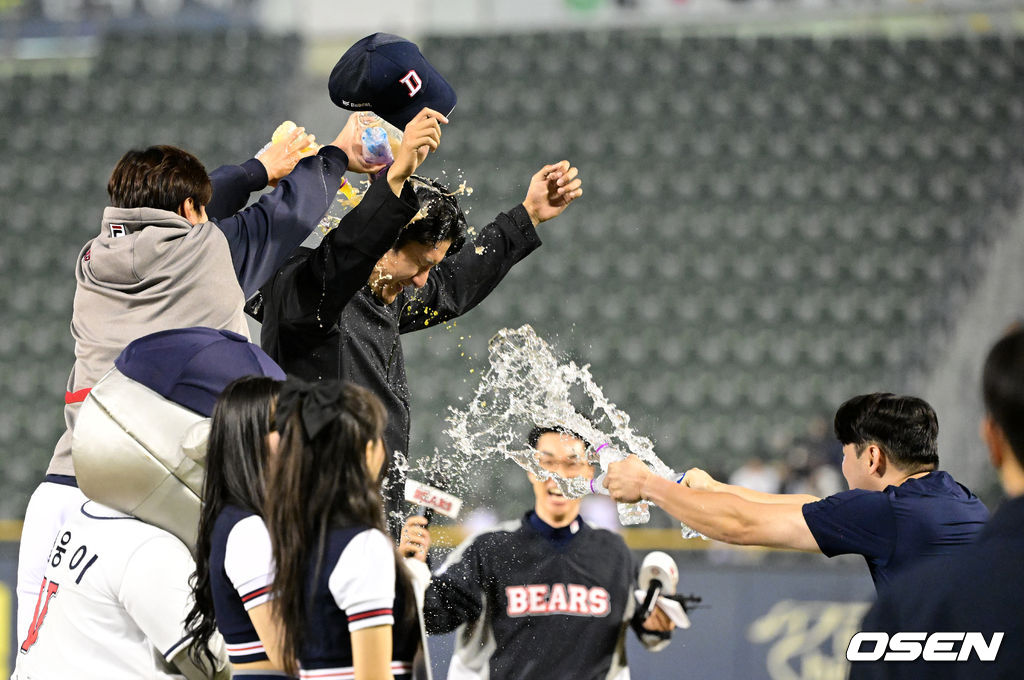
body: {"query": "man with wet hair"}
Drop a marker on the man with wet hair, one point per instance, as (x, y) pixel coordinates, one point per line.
(517, 592)
(899, 510)
(423, 278)
(979, 590)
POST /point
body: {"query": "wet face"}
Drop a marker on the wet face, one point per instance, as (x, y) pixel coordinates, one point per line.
(406, 266)
(564, 455)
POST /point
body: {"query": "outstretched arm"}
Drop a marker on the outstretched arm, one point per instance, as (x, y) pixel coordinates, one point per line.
(232, 186)
(722, 516)
(701, 481)
(262, 236)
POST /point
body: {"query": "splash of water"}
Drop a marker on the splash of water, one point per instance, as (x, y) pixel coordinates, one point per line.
(525, 385)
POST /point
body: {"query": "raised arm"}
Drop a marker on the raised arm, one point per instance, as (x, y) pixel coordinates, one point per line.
(262, 236)
(722, 516)
(233, 184)
(310, 292)
(463, 280)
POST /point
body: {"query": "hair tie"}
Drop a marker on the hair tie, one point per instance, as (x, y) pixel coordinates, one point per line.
(317, 403)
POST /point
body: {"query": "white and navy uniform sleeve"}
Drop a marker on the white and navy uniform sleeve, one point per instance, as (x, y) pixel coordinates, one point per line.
(365, 593)
(241, 574)
(112, 603)
(355, 589)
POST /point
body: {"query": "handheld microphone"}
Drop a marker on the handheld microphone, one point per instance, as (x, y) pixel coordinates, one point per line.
(429, 499)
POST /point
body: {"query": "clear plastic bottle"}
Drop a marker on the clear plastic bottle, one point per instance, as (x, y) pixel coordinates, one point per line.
(634, 513)
(378, 139)
(629, 513)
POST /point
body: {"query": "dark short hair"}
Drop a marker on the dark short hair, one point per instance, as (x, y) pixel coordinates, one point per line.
(161, 177)
(1002, 386)
(906, 429)
(440, 217)
(541, 430)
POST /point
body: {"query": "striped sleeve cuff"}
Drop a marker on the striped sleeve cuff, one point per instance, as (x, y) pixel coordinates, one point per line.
(370, 618)
(255, 598)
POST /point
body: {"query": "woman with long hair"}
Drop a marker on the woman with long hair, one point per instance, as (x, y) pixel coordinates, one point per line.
(234, 566)
(342, 597)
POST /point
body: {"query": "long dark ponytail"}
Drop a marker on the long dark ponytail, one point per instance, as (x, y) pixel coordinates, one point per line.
(236, 462)
(319, 480)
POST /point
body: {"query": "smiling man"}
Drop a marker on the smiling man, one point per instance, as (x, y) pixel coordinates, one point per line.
(900, 508)
(519, 592)
(316, 329)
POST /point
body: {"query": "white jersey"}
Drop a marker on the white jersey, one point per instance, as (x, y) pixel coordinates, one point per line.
(112, 602)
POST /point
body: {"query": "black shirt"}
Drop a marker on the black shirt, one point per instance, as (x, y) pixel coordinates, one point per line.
(325, 323)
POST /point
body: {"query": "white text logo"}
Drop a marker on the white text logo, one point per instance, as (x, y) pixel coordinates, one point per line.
(874, 646)
(559, 598)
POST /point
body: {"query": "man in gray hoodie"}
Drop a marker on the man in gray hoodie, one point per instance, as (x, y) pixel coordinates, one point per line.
(160, 262)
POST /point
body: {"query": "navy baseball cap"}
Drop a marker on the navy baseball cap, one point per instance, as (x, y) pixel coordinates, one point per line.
(389, 75)
(192, 366)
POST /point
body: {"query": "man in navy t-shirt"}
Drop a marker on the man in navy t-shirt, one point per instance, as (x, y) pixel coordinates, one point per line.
(900, 509)
(979, 592)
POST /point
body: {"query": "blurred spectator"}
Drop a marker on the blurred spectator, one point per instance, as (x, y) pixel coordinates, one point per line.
(758, 475)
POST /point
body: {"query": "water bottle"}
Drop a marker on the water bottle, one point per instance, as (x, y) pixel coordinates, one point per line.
(375, 138)
(636, 513)
(629, 513)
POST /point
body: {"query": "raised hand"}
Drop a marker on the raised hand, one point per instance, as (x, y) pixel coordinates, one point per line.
(421, 136)
(415, 538)
(281, 156)
(551, 191)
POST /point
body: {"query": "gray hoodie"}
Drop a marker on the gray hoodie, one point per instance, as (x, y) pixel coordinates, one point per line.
(151, 270)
